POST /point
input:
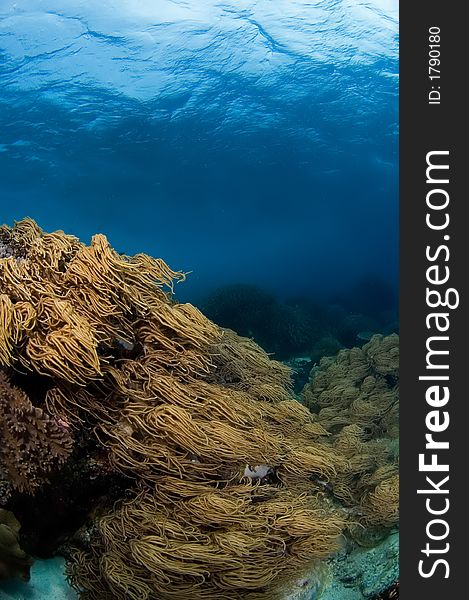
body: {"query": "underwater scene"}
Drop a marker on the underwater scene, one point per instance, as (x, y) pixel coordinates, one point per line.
(199, 329)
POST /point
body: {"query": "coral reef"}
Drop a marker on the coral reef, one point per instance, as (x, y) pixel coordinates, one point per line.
(284, 329)
(5, 250)
(358, 387)
(33, 443)
(301, 325)
(365, 573)
(14, 562)
(355, 397)
(202, 425)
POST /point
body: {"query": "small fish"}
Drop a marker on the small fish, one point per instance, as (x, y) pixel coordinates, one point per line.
(365, 335)
(325, 484)
(125, 344)
(257, 472)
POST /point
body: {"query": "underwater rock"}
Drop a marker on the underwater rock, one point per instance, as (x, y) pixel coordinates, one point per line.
(14, 562)
(300, 367)
(364, 574)
(311, 585)
(47, 582)
(390, 593)
(325, 346)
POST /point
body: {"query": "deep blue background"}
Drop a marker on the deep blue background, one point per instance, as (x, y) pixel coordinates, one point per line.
(250, 141)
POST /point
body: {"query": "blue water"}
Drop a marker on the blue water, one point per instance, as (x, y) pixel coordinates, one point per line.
(245, 141)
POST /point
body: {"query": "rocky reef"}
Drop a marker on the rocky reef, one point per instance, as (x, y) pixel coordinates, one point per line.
(162, 455)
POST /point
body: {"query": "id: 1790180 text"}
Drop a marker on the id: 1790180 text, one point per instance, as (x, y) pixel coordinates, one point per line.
(434, 73)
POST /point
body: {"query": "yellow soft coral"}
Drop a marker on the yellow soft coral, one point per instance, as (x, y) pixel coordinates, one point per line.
(355, 397)
(189, 412)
